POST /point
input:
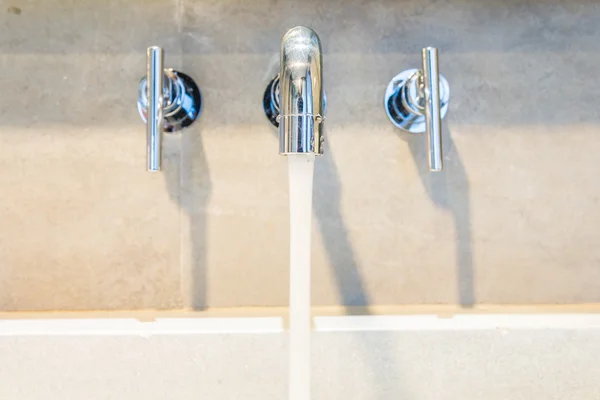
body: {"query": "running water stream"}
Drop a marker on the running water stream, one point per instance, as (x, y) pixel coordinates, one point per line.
(301, 167)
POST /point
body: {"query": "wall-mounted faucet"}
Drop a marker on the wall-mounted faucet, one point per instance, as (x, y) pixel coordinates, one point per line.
(417, 100)
(168, 101)
(294, 100)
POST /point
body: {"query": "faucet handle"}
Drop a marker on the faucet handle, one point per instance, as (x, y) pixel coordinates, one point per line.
(154, 114)
(433, 115)
(417, 100)
(168, 101)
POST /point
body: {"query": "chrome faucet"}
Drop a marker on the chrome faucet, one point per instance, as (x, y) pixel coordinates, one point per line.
(417, 100)
(168, 101)
(294, 100)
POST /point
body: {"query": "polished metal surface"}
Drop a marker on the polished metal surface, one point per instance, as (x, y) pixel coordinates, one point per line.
(154, 90)
(168, 101)
(433, 118)
(295, 100)
(417, 100)
(271, 101)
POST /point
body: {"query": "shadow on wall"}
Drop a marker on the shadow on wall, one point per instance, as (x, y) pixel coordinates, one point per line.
(192, 192)
(347, 273)
(342, 259)
(453, 197)
(196, 174)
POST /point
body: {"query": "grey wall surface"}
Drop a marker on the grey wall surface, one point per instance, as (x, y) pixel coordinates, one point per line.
(512, 219)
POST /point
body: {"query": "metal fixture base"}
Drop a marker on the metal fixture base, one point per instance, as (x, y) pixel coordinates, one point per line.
(182, 101)
(271, 101)
(399, 97)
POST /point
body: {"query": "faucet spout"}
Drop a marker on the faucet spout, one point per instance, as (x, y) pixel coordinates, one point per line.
(301, 108)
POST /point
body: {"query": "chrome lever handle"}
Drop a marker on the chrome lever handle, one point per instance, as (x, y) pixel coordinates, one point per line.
(154, 94)
(168, 101)
(417, 100)
(433, 115)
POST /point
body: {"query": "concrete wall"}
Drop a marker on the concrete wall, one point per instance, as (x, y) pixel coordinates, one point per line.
(512, 220)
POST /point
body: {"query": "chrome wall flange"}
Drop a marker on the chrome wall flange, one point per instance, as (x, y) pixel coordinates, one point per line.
(416, 100)
(168, 101)
(182, 100)
(271, 101)
(405, 100)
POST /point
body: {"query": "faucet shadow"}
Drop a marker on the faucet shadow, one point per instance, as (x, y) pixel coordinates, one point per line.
(196, 204)
(326, 205)
(192, 192)
(346, 270)
(449, 190)
(344, 267)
